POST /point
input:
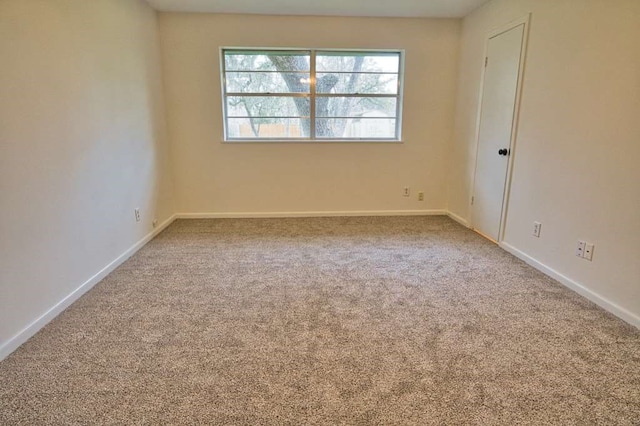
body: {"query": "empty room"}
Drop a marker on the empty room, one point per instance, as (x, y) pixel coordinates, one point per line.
(332, 213)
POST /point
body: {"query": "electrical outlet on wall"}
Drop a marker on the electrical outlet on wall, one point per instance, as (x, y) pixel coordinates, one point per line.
(137, 213)
(537, 226)
(585, 250)
(420, 196)
(406, 192)
(588, 251)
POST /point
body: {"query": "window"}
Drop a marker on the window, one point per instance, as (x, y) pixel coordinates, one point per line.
(312, 95)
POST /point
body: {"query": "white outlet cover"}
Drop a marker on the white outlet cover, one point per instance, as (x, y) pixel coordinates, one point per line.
(588, 251)
(537, 227)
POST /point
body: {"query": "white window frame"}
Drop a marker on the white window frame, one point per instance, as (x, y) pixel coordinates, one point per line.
(313, 95)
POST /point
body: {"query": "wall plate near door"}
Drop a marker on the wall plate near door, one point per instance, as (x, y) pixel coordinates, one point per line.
(537, 227)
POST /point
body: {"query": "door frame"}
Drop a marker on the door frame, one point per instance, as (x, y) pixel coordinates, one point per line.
(526, 21)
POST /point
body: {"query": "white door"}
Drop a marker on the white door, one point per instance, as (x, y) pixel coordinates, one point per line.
(496, 123)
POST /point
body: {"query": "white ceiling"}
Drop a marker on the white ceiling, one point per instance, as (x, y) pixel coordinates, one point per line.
(387, 8)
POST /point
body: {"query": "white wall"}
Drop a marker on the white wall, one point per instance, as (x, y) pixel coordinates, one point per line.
(82, 143)
(211, 177)
(578, 145)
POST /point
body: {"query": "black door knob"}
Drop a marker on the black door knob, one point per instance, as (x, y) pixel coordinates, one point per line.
(504, 152)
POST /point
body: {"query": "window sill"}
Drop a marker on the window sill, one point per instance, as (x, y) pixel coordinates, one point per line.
(307, 142)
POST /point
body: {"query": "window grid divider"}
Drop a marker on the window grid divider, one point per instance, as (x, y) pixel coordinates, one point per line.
(312, 88)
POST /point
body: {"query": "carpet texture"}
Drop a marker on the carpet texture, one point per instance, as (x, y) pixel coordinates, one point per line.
(359, 321)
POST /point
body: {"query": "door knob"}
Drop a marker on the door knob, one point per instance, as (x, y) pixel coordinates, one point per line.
(504, 152)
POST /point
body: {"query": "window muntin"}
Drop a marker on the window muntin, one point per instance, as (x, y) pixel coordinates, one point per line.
(311, 95)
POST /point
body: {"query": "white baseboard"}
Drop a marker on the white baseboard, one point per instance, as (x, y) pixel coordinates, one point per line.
(29, 331)
(240, 215)
(459, 219)
(578, 288)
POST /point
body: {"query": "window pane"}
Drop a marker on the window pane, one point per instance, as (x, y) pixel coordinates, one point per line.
(282, 128)
(267, 94)
(267, 106)
(386, 84)
(266, 61)
(267, 82)
(358, 62)
(363, 128)
(355, 107)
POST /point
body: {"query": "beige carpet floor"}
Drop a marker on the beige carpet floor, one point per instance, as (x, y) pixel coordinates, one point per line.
(359, 321)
